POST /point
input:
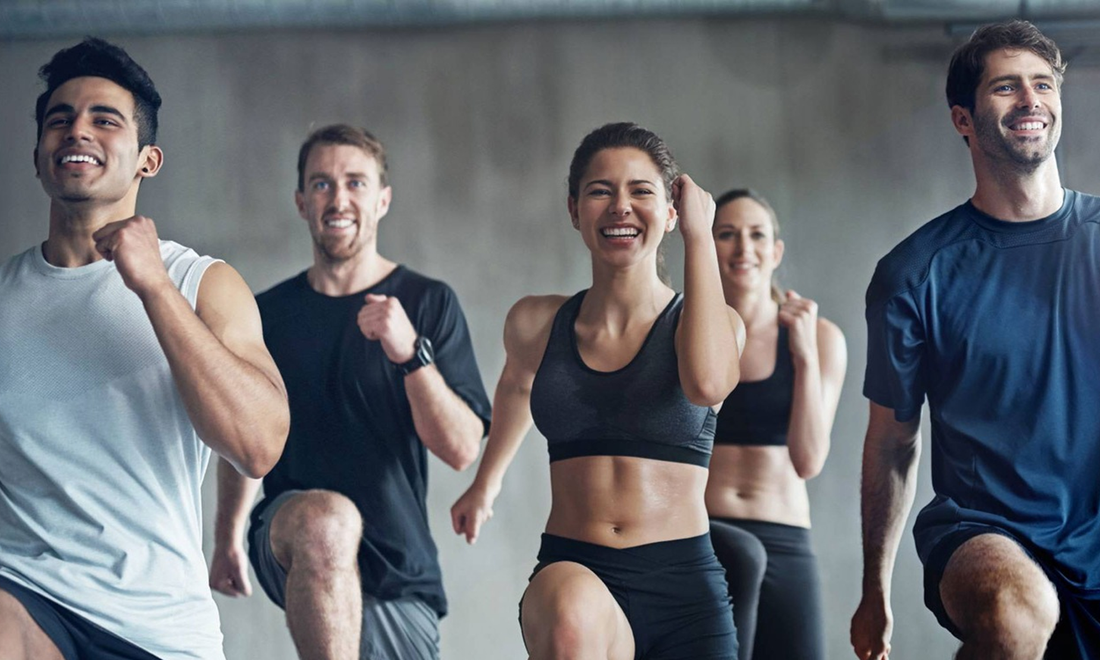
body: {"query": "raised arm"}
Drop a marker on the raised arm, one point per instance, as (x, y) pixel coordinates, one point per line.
(444, 422)
(229, 384)
(891, 452)
(526, 332)
(820, 359)
(229, 563)
(708, 327)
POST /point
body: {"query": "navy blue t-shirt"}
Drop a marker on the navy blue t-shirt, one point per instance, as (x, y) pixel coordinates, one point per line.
(351, 427)
(998, 325)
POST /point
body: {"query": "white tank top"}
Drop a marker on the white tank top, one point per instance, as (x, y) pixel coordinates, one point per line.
(100, 468)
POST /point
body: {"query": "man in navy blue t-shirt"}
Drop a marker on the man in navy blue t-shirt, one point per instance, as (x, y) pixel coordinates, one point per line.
(991, 311)
(380, 370)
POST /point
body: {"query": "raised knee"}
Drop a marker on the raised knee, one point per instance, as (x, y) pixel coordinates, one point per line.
(318, 529)
(568, 619)
(1026, 615)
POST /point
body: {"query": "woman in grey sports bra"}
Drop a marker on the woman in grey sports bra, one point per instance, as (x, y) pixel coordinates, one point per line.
(772, 435)
(621, 379)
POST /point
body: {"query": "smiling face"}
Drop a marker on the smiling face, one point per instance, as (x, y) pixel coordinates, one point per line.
(1017, 110)
(88, 150)
(342, 201)
(621, 208)
(748, 252)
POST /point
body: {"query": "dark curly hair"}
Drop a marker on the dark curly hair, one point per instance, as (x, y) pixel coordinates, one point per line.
(98, 58)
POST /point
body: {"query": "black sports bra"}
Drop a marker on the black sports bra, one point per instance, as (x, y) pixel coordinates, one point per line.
(638, 410)
(759, 412)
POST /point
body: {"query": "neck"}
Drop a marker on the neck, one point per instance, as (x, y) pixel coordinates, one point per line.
(342, 278)
(756, 308)
(1018, 196)
(619, 295)
(70, 243)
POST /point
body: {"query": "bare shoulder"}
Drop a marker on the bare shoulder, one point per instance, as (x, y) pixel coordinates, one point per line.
(527, 328)
(224, 296)
(832, 348)
(827, 331)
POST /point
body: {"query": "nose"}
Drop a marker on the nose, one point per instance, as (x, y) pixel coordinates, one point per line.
(1029, 98)
(79, 129)
(340, 197)
(620, 206)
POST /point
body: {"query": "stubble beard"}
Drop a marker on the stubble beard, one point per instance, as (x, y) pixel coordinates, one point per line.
(1025, 157)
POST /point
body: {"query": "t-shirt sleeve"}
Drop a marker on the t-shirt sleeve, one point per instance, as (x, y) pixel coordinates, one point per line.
(895, 347)
(445, 325)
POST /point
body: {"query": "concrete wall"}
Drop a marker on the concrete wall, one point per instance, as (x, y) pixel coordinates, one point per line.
(843, 127)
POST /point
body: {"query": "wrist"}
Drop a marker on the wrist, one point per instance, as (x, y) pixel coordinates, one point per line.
(422, 355)
(159, 289)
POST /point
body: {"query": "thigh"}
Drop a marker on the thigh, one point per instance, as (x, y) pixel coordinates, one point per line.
(987, 571)
(22, 635)
(402, 629)
(269, 572)
(789, 623)
(567, 594)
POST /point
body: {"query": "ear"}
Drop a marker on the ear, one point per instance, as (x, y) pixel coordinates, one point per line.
(780, 246)
(573, 216)
(300, 202)
(37, 174)
(150, 160)
(963, 121)
(670, 222)
(385, 196)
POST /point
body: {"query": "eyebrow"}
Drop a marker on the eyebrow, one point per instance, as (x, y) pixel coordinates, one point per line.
(606, 182)
(1015, 77)
(348, 175)
(96, 109)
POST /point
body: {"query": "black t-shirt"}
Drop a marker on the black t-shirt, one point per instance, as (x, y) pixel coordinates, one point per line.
(351, 428)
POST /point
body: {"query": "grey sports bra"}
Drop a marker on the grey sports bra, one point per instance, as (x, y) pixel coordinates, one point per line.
(638, 410)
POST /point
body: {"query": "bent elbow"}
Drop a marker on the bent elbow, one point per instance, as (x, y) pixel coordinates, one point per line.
(808, 469)
(465, 457)
(266, 452)
(707, 394)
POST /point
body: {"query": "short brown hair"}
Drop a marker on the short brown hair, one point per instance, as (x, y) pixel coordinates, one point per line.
(968, 62)
(343, 134)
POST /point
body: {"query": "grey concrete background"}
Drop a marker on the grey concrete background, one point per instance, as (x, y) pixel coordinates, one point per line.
(843, 127)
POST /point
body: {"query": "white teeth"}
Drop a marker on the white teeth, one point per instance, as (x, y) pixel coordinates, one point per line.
(1029, 126)
(338, 224)
(78, 158)
(620, 231)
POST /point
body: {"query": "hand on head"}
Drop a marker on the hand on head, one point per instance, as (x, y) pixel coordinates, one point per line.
(694, 206)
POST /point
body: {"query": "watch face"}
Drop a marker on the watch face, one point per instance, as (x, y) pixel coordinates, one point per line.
(424, 350)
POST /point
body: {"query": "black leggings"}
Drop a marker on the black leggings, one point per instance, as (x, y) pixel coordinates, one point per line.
(775, 588)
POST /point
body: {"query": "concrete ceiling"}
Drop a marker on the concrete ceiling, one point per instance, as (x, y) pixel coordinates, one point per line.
(39, 19)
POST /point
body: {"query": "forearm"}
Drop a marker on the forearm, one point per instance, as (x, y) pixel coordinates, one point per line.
(707, 328)
(511, 421)
(808, 430)
(237, 409)
(236, 493)
(444, 422)
(887, 491)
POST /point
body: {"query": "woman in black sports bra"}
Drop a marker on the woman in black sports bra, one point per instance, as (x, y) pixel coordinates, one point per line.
(621, 379)
(773, 435)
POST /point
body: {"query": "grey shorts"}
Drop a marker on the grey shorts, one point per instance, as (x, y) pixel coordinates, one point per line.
(400, 629)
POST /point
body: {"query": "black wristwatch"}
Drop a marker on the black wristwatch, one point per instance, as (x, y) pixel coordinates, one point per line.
(423, 357)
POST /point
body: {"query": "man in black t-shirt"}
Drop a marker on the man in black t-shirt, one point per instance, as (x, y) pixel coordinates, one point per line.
(379, 370)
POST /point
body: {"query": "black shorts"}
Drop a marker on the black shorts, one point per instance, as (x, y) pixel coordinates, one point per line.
(1077, 634)
(673, 593)
(76, 637)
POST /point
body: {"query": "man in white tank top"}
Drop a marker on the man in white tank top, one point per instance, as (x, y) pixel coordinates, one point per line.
(124, 361)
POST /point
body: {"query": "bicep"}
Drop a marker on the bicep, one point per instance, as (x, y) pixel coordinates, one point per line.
(883, 427)
(226, 305)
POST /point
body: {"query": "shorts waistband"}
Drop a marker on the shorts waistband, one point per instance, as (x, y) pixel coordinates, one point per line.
(675, 551)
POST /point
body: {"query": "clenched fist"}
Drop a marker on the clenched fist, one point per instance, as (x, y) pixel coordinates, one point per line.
(383, 319)
(132, 244)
